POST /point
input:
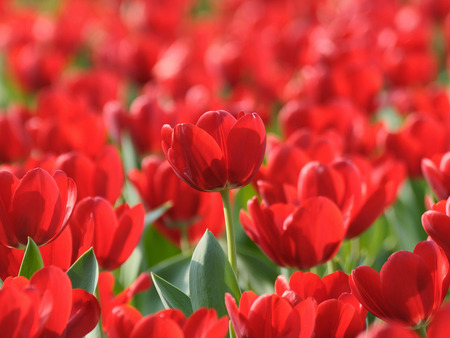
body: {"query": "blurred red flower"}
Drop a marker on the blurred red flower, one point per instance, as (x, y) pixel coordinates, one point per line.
(116, 231)
(190, 210)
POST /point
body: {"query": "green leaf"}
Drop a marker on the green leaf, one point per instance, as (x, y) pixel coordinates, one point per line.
(256, 271)
(154, 214)
(84, 272)
(175, 270)
(211, 276)
(156, 247)
(171, 296)
(32, 260)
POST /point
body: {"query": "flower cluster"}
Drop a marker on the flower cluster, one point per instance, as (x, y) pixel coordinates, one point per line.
(199, 168)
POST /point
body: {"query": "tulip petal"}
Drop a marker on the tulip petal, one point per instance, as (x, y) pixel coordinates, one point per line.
(407, 287)
(246, 146)
(197, 158)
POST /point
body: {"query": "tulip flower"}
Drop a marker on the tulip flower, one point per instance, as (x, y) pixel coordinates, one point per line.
(101, 175)
(191, 211)
(436, 223)
(37, 206)
(116, 232)
(409, 288)
(298, 236)
(437, 174)
(271, 316)
(338, 312)
(219, 152)
(46, 306)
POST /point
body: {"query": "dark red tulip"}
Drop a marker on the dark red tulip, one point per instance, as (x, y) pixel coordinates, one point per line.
(116, 231)
(38, 206)
(219, 152)
(190, 209)
(409, 288)
(271, 315)
(302, 236)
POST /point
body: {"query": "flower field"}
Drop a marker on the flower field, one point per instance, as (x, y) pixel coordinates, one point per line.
(224, 168)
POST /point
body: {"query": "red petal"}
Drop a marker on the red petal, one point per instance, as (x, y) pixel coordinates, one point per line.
(8, 184)
(56, 290)
(337, 319)
(196, 158)
(84, 315)
(315, 230)
(204, 323)
(434, 178)
(307, 284)
(366, 286)
(437, 226)
(246, 146)
(407, 287)
(155, 326)
(218, 124)
(37, 193)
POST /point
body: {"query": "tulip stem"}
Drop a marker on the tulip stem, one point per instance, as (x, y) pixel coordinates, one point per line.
(231, 241)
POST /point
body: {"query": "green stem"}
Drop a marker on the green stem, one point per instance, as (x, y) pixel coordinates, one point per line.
(184, 240)
(330, 267)
(231, 241)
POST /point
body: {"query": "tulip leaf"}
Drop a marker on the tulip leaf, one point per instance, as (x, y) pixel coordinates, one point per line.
(174, 269)
(211, 276)
(32, 260)
(171, 296)
(154, 214)
(84, 272)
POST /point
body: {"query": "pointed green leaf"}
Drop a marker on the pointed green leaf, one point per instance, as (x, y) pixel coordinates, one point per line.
(32, 260)
(171, 296)
(211, 276)
(84, 272)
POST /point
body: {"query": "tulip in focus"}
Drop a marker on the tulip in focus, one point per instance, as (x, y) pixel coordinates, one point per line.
(219, 152)
(409, 288)
(46, 306)
(37, 206)
(300, 236)
(271, 315)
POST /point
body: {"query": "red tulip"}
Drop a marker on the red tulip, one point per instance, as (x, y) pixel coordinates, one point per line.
(409, 288)
(172, 323)
(439, 326)
(388, 330)
(109, 302)
(37, 206)
(437, 174)
(46, 306)
(338, 312)
(271, 316)
(116, 232)
(191, 209)
(101, 175)
(219, 152)
(436, 223)
(302, 236)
